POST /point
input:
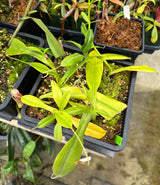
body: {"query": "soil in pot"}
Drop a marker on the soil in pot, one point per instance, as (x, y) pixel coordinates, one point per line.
(124, 33)
(13, 12)
(10, 68)
(116, 86)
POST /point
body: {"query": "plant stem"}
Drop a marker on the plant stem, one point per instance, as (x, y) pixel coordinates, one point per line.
(21, 22)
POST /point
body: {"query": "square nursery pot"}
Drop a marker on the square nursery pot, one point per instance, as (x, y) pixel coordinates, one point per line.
(149, 46)
(25, 80)
(89, 142)
(12, 25)
(129, 52)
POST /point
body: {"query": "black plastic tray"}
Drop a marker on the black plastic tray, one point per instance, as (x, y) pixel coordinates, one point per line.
(128, 52)
(90, 143)
(26, 79)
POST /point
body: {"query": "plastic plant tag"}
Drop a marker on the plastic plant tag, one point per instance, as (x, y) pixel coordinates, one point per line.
(126, 12)
(118, 140)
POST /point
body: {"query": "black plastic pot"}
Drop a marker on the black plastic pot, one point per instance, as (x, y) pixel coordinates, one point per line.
(26, 79)
(128, 52)
(14, 26)
(90, 143)
(149, 46)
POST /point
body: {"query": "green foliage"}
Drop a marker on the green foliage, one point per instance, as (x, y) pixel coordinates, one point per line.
(66, 97)
(30, 157)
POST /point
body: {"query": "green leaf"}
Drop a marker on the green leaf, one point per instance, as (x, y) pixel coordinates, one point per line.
(66, 160)
(135, 68)
(20, 138)
(63, 11)
(35, 102)
(28, 175)
(64, 119)
(94, 70)
(108, 107)
(84, 16)
(113, 56)
(83, 29)
(64, 100)
(88, 41)
(71, 59)
(10, 166)
(75, 92)
(58, 132)
(11, 144)
(141, 8)
(17, 47)
(42, 68)
(29, 149)
(75, 43)
(53, 43)
(56, 93)
(146, 18)
(46, 121)
(49, 146)
(150, 26)
(154, 35)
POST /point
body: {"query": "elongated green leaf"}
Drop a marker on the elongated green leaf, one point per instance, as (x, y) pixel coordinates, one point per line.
(42, 68)
(83, 29)
(11, 144)
(108, 107)
(36, 158)
(94, 70)
(29, 149)
(53, 43)
(72, 70)
(28, 175)
(150, 26)
(35, 102)
(84, 16)
(64, 100)
(88, 41)
(75, 43)
(46, 121)
(154, 35)
(17, 47)
(10, 166)
(135, 68)
(141, 8)
(75, 92)
(47, 95)
(146, 18)
(58, 132)
(56, 93)
(64, 119)
(66, 160)
(49, 146)
(71, 59)
(113, 56)
(19, 137)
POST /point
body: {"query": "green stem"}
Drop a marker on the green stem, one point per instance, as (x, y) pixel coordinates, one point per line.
(21, 22)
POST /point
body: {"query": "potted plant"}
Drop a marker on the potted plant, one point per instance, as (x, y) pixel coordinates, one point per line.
(148, 11)
(13, 10)
(88, 104)
(14, 74)
(111, 33)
